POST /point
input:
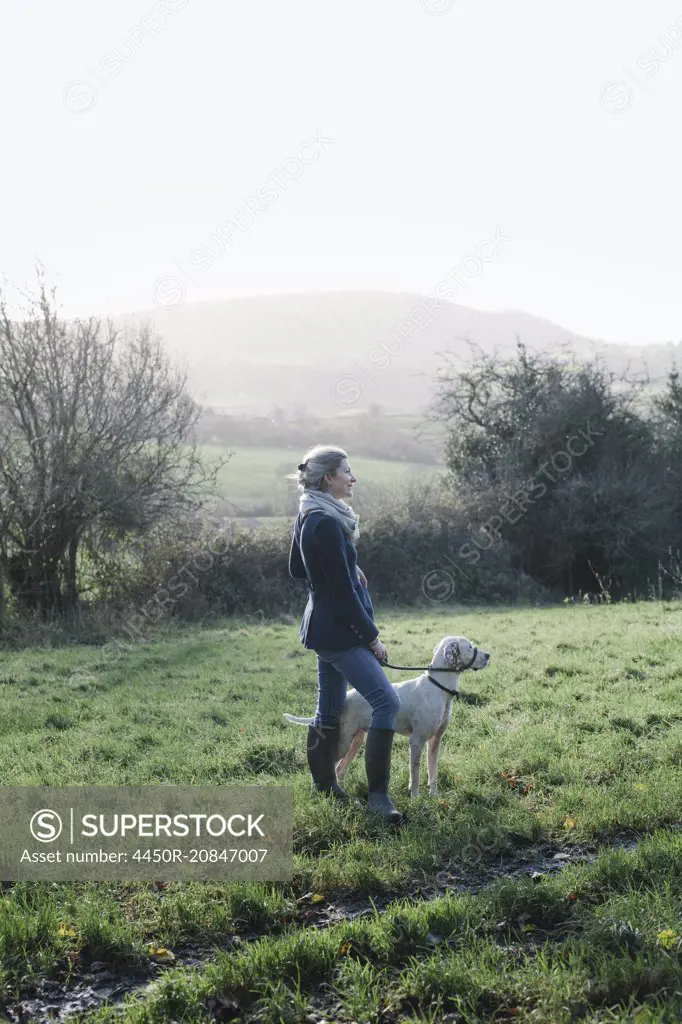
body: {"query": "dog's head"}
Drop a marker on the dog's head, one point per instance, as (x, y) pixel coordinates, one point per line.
(458, 654)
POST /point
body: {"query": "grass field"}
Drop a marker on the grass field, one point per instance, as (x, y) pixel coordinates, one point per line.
(259, 472)
(569, 744)
(264, 522)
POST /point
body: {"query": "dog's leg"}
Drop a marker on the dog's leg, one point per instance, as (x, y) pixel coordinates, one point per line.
(416, 748)
(432, 756)
(350, 753)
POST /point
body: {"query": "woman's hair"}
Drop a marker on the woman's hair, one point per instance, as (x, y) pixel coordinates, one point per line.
(323, 458)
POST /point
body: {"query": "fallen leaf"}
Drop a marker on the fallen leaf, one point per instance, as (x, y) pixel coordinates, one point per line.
(160, 952)
(570, 822)
(571, 897)
(317, 897)
(66, 931)
(345, 948)
(667, 939)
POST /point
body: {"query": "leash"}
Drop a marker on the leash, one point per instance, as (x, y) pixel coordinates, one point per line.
(418, 668)
(432, 668)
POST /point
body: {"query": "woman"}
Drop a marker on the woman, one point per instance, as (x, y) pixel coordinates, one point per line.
(338, 624)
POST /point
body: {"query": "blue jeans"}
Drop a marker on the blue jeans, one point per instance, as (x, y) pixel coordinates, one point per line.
(359, 667)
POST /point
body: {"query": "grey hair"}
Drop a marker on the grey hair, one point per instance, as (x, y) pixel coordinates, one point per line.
(323, 458)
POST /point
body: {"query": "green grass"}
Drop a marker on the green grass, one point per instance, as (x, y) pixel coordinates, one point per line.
(600, 938)
(259, 472)
(572, 736)
(264, 522)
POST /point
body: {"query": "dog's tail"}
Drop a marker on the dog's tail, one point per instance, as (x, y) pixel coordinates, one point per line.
(298, 721)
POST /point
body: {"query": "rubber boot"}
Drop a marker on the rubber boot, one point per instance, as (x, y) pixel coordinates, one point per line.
(323, 744)
(378, 765)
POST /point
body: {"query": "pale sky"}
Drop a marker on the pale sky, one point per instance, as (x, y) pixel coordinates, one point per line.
(449, 120)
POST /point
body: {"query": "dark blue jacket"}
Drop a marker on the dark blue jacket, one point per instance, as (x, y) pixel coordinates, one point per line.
(339, 612)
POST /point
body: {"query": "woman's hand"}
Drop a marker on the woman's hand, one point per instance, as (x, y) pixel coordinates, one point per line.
(363, 578)
(378, 650)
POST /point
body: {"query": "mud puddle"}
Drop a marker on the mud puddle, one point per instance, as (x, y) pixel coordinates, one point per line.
(92, 985)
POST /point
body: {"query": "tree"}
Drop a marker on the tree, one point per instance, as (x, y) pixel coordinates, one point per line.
(558, 456)
(96, 445)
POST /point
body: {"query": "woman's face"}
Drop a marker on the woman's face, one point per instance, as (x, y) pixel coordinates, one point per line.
(341, 484)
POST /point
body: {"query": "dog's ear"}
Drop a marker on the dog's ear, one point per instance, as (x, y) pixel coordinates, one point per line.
(451, 652)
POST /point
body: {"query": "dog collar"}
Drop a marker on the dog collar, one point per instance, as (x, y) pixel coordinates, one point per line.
(453, 693)
(463, 668)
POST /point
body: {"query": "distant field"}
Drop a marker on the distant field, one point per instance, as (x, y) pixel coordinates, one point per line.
(268, 522)
(259, 472)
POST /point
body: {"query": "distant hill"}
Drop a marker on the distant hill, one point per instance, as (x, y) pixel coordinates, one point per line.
(322, 352)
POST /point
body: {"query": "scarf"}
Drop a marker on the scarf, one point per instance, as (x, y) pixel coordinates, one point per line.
(333, 507)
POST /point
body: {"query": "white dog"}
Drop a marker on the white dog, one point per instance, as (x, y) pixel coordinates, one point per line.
(425, 709)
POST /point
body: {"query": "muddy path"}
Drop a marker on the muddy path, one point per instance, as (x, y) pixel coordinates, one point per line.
(91, 984)
(97, 982)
